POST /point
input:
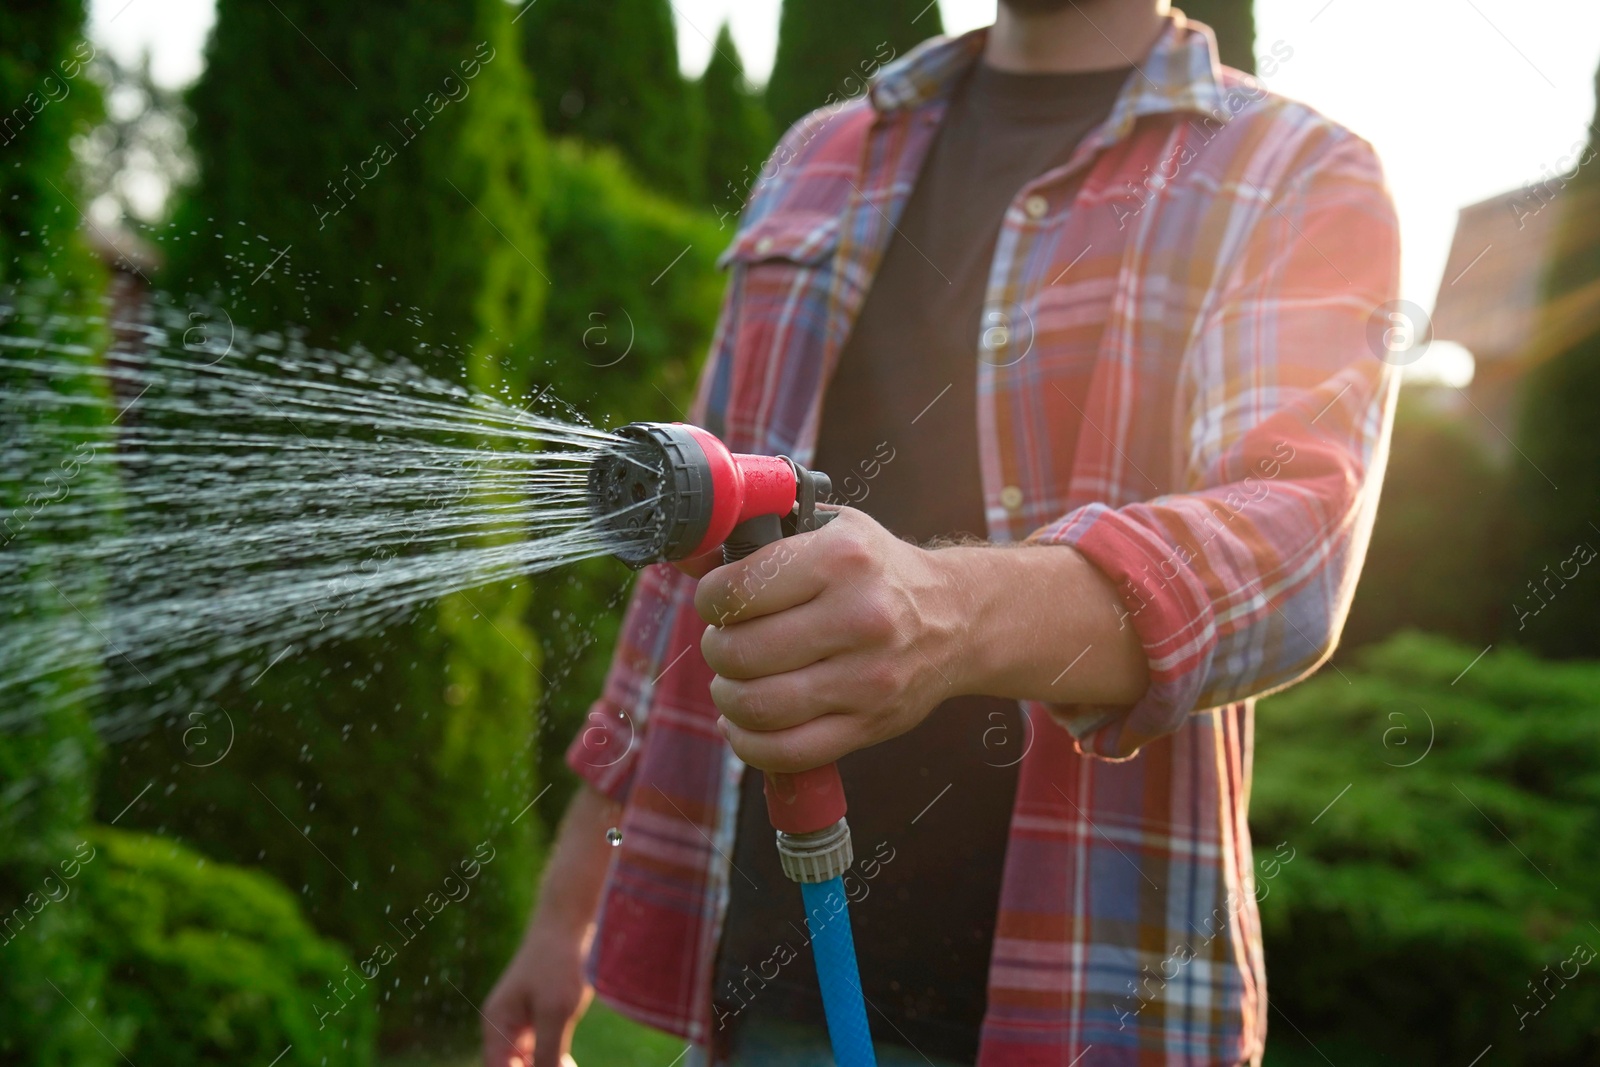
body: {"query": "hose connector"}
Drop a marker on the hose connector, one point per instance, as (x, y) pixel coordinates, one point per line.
(818, 856)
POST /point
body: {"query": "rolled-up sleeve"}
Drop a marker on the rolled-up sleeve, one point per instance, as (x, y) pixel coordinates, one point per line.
(1239, 584)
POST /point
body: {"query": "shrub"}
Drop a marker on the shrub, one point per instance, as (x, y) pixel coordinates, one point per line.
(1457, 873)
(212, 964)
(1434, 562)
(405, 213)
(615, 244)
(48, 752)
(1558, 443)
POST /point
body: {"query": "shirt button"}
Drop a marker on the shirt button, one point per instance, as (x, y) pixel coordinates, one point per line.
(1011, 498)
(763, 246)
(995, 338)
(1157, 182)
(1036, 206)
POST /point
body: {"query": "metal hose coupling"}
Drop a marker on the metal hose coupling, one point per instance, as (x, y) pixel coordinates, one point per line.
(818, 856)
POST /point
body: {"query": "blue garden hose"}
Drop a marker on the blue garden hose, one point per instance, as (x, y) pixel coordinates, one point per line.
(828, 916)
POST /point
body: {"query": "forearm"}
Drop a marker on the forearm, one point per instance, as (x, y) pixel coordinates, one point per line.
(849, 636)
(1042, 623)
(569, 893)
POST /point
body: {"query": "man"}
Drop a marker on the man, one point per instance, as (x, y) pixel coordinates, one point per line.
(1068, 285)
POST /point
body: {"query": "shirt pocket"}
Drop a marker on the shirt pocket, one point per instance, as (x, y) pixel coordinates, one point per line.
(801, 238)
(784, 267)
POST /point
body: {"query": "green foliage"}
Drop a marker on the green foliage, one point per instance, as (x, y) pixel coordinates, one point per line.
(48, 97)
(1234, 22)
(48, 752)
(46, 767)
(406, 215)
(602, 1037)
(1421, 903)
(608, 73)
(1434, 562)
(1556, 435)
(1556, 600)
(211, 964)
(605, 1037)
(827, 49)
(1559, 437)
(617, 246)
(409, 207)
(738, 131)
(626, 331)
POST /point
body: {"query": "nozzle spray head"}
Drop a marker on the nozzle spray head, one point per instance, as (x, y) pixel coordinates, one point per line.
(677, 492)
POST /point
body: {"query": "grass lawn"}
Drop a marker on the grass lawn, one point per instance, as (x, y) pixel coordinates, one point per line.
(604, 1039)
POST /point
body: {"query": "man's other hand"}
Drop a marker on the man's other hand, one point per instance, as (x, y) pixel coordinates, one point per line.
(528, 1019)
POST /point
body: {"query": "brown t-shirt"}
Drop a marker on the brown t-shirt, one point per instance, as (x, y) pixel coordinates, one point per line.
(899, 440)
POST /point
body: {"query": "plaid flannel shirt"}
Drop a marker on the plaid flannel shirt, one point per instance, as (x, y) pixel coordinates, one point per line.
(1214, 253)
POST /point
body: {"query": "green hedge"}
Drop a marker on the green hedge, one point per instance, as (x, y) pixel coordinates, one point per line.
(1436, 561)
(1457, 868)
(738, 130)
(399, 169)
(212, 964)
(1235, 26)
(48, 752)
(133, 948)
(1556, 473)
(625, 334)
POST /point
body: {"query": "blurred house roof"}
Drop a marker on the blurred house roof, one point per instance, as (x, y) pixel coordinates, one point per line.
(1489, 297)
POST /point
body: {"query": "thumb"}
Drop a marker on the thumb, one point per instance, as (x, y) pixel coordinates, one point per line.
(552, 1040)
(507, 1036)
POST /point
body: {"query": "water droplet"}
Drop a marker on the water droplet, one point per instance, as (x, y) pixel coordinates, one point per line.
(613, 837)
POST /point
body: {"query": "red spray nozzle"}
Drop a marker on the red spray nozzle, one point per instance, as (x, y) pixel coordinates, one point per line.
(743, 487)
(678, 492)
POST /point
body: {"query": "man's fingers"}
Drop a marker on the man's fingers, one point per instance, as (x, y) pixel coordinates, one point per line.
(773, 644)
(782, 701)
(507, 1030)
(553, 1034)
(774, 578)
(799, 748)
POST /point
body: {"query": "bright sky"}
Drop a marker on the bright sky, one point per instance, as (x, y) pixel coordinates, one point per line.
(1462, 98)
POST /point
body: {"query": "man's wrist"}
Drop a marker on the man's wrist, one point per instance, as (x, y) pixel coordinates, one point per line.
(977, 578)
(1039, 622)
(574, 875)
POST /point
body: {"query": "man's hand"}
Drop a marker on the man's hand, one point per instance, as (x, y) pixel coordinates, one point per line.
(834, 640)
(828, 642)
(532, 1011)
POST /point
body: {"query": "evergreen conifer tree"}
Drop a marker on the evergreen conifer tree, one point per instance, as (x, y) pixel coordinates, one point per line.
(1235, 25)
(48, 751)
(372, 174)
(1555, 594)
(608, 73)
(827, 49)
(738, 133)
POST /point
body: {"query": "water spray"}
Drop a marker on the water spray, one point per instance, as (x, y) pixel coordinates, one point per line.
(258, 496)
(678, 493)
